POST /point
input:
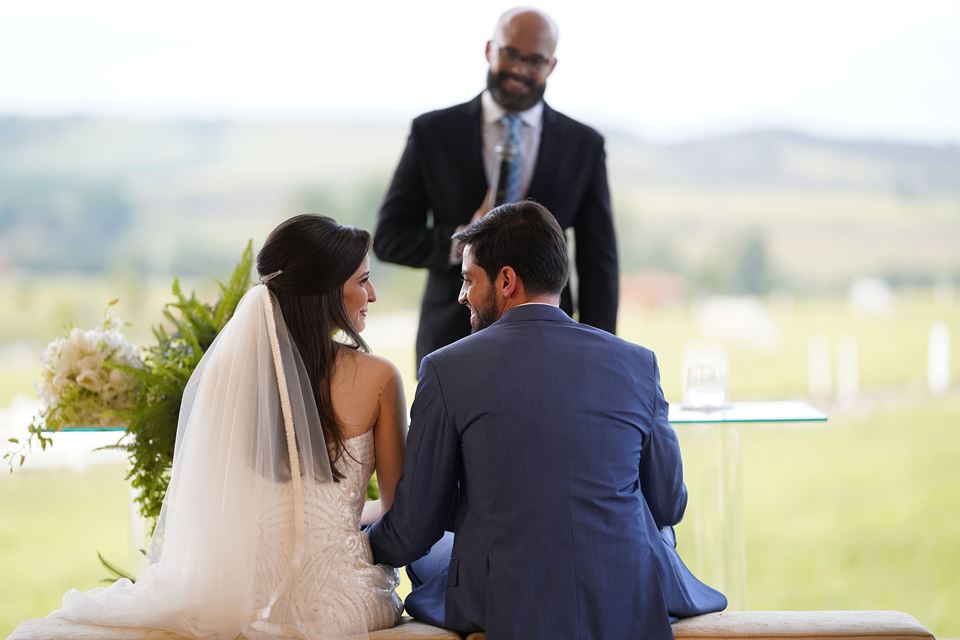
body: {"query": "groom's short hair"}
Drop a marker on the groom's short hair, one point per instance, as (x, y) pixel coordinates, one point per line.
(525, 236)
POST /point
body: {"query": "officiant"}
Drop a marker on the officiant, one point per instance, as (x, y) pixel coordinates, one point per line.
(505, 145)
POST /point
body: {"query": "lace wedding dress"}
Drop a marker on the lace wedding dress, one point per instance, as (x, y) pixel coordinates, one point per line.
(339, 584)
(255, 539)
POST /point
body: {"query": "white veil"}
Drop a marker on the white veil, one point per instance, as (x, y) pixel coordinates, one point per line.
(248, 432)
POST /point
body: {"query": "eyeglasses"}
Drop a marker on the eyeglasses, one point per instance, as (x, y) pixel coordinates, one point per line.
(534, 61)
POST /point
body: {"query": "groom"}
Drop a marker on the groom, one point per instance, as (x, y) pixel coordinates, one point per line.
(553, 437)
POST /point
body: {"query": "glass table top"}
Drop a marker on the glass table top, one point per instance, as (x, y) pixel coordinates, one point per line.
(84, 428)
(732, 412)
(735, 412)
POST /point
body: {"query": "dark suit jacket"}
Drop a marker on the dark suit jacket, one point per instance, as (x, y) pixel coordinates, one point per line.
(440, 182)
(557, 435)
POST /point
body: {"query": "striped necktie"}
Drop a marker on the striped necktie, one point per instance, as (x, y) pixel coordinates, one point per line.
(512, 123)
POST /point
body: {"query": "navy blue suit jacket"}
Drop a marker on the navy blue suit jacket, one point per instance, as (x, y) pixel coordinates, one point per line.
(557, 435)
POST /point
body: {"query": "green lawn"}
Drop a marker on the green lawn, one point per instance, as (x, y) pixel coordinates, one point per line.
(859, 513)
(892, 347)
(53, 525)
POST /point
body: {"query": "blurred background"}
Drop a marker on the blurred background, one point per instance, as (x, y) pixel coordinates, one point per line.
(786, 185)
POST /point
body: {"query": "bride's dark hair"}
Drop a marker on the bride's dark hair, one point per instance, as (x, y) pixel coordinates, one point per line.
(316, 256)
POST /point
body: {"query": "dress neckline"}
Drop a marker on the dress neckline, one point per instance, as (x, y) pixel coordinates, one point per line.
(365, 433)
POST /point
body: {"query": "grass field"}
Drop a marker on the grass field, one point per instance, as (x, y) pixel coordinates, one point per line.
(53, 525)
(856, 513)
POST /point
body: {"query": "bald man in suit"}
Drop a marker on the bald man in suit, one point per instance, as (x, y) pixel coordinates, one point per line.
(444, 180)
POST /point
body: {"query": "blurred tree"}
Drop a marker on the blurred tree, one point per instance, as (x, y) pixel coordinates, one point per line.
(355, 204)
(752, 266)
(316, 198)
(51, 224)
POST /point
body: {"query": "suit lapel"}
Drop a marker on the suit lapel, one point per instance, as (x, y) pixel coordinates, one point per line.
(472, 139)
(540, 183)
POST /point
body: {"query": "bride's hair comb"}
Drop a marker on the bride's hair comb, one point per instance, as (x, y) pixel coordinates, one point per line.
(270, 276)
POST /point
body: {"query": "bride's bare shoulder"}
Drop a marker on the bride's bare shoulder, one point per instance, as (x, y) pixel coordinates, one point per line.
(369, 367)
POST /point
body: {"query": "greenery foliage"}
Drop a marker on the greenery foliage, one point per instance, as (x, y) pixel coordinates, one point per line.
(152, 422)
(115, 572)
(373, 488)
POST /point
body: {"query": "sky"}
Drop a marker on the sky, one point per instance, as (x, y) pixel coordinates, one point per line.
(662, 70)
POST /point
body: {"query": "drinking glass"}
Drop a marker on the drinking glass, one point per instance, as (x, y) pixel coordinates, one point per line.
(705, 378)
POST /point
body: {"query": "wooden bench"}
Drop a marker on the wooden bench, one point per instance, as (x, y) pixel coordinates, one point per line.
(752, 625)
(410, 629)
(50, 629)
(795, 625)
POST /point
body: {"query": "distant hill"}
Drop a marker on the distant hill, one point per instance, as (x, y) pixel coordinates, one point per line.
(792, 160)
(103, 195)
(341, 152)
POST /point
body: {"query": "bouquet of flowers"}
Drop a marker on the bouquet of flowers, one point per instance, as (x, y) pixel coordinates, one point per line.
(87, 378)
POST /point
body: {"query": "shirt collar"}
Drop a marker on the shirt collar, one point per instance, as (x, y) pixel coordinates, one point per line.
(493, 112)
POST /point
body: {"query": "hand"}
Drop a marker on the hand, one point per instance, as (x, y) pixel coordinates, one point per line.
(484, 207)
(456, 250)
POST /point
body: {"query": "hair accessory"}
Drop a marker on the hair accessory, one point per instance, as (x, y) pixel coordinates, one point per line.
(270, 276)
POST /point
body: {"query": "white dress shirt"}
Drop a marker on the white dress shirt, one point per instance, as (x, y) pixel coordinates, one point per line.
(494, 131)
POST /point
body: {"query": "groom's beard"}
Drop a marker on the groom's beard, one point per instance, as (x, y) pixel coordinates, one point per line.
(484, 315)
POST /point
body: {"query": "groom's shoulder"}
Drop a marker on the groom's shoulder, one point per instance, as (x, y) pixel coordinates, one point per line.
(460, 348)
(622, 343)
(610, 346)
(451, 358)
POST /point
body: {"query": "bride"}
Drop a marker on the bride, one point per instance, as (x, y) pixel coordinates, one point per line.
(280, 429)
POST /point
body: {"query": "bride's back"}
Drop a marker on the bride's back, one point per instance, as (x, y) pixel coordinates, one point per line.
(356, 387)
(367, 397)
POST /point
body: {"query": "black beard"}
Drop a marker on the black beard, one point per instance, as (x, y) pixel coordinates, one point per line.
(512, 101)
(486, 315)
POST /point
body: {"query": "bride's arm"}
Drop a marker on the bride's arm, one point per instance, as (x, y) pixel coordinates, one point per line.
(389, 436)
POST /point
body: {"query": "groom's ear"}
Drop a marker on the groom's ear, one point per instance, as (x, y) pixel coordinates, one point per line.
(508, 283)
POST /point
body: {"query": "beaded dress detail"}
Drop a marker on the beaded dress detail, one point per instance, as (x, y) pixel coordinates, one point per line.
(338, 584)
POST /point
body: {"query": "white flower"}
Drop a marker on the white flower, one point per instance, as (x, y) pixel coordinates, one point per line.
(88, 379)
(80, 368)
(119, 379)
(90, 362)
(92, 337)
(59, 383)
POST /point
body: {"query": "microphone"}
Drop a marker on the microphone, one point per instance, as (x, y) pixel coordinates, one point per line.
(506, 153)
